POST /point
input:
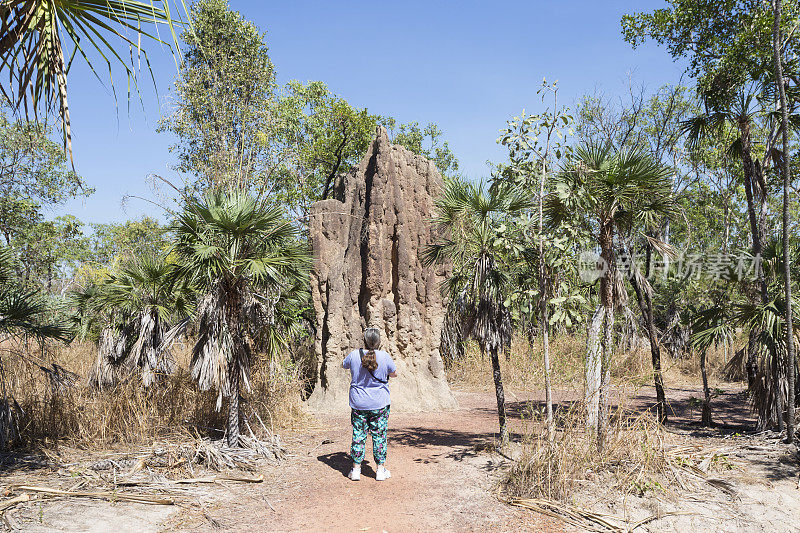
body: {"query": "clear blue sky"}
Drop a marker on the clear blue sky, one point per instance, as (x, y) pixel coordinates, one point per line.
(467, 66)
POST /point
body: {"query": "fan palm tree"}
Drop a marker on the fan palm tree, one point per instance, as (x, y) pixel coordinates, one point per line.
(608, 192)
(39, 39)
(736, 113)
(149, 309)
(767, 332)
(23, 312)
(710, 327)
(769, 392)
(470, 218)
(246, 260)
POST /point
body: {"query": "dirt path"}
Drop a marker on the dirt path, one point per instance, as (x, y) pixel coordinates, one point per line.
(440, 481)
(443, 475)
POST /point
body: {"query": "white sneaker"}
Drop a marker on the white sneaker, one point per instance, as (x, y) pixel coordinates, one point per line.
(383, 474)
(355, 473)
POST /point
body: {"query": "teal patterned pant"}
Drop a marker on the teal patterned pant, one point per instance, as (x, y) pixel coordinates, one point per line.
(375, 422)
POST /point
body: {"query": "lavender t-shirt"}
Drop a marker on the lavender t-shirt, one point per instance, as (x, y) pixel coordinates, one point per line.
(366, 392)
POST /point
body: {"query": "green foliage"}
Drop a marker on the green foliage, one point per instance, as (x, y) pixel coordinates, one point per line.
(325, 137)
(24, 312)
(726, 41)
(537, 143)
(237, 128)
(36, 177)
(225, 96)
(536, 146)
(51, 250)
(427, 142)
(132, 238)
(245, 259)
(599, 187)
(141, 306)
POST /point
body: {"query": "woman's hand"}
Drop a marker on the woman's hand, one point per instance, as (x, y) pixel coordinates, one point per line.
(393, 374)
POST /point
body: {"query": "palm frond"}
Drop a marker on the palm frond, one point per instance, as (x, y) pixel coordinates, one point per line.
(40, 38)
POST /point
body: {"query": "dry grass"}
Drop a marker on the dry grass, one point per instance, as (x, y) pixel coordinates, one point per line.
(716, 359)
(633, 460)
(639, 457)
(522, 369)
(83, 417)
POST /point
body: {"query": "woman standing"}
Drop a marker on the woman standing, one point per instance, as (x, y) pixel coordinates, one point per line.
(370, 370)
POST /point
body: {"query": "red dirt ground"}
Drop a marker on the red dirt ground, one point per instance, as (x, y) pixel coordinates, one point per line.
(440, 481)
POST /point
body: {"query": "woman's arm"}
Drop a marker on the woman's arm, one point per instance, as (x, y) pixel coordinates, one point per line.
(393, 374)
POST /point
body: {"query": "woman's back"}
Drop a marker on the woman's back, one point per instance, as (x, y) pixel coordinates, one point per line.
(369, 390)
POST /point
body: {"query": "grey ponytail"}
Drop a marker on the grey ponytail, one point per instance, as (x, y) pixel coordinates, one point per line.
(372, 341)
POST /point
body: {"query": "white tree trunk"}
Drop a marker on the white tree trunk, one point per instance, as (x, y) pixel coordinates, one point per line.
(594, 358)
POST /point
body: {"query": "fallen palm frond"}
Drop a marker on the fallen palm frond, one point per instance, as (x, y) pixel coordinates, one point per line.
(208, 454)
(7, 504)
(584, 519)
(102, 495)
(196, 480)
(572, 515)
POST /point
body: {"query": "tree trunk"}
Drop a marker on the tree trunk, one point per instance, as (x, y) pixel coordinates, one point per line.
(646, 308)
(233, 411)
(501, 398)
(787, 280)
(757, 237)
(706, 420)
(548, 390)
(607, 299)
(727, 224)
(594, 355)
(777, 390)
(605, 374)
(751, 366)
(543, 286)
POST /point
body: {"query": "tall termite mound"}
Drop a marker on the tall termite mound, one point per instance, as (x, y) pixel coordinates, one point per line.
(367, 241)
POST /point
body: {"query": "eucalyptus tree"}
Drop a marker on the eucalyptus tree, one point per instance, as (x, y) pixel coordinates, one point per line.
(784, 108)
(475, 238)
(426, 141)
(224, 111)
(246, 260)
(39, 39)
(607, 192)
(536, 143)
(324, 135)
(724, 41)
